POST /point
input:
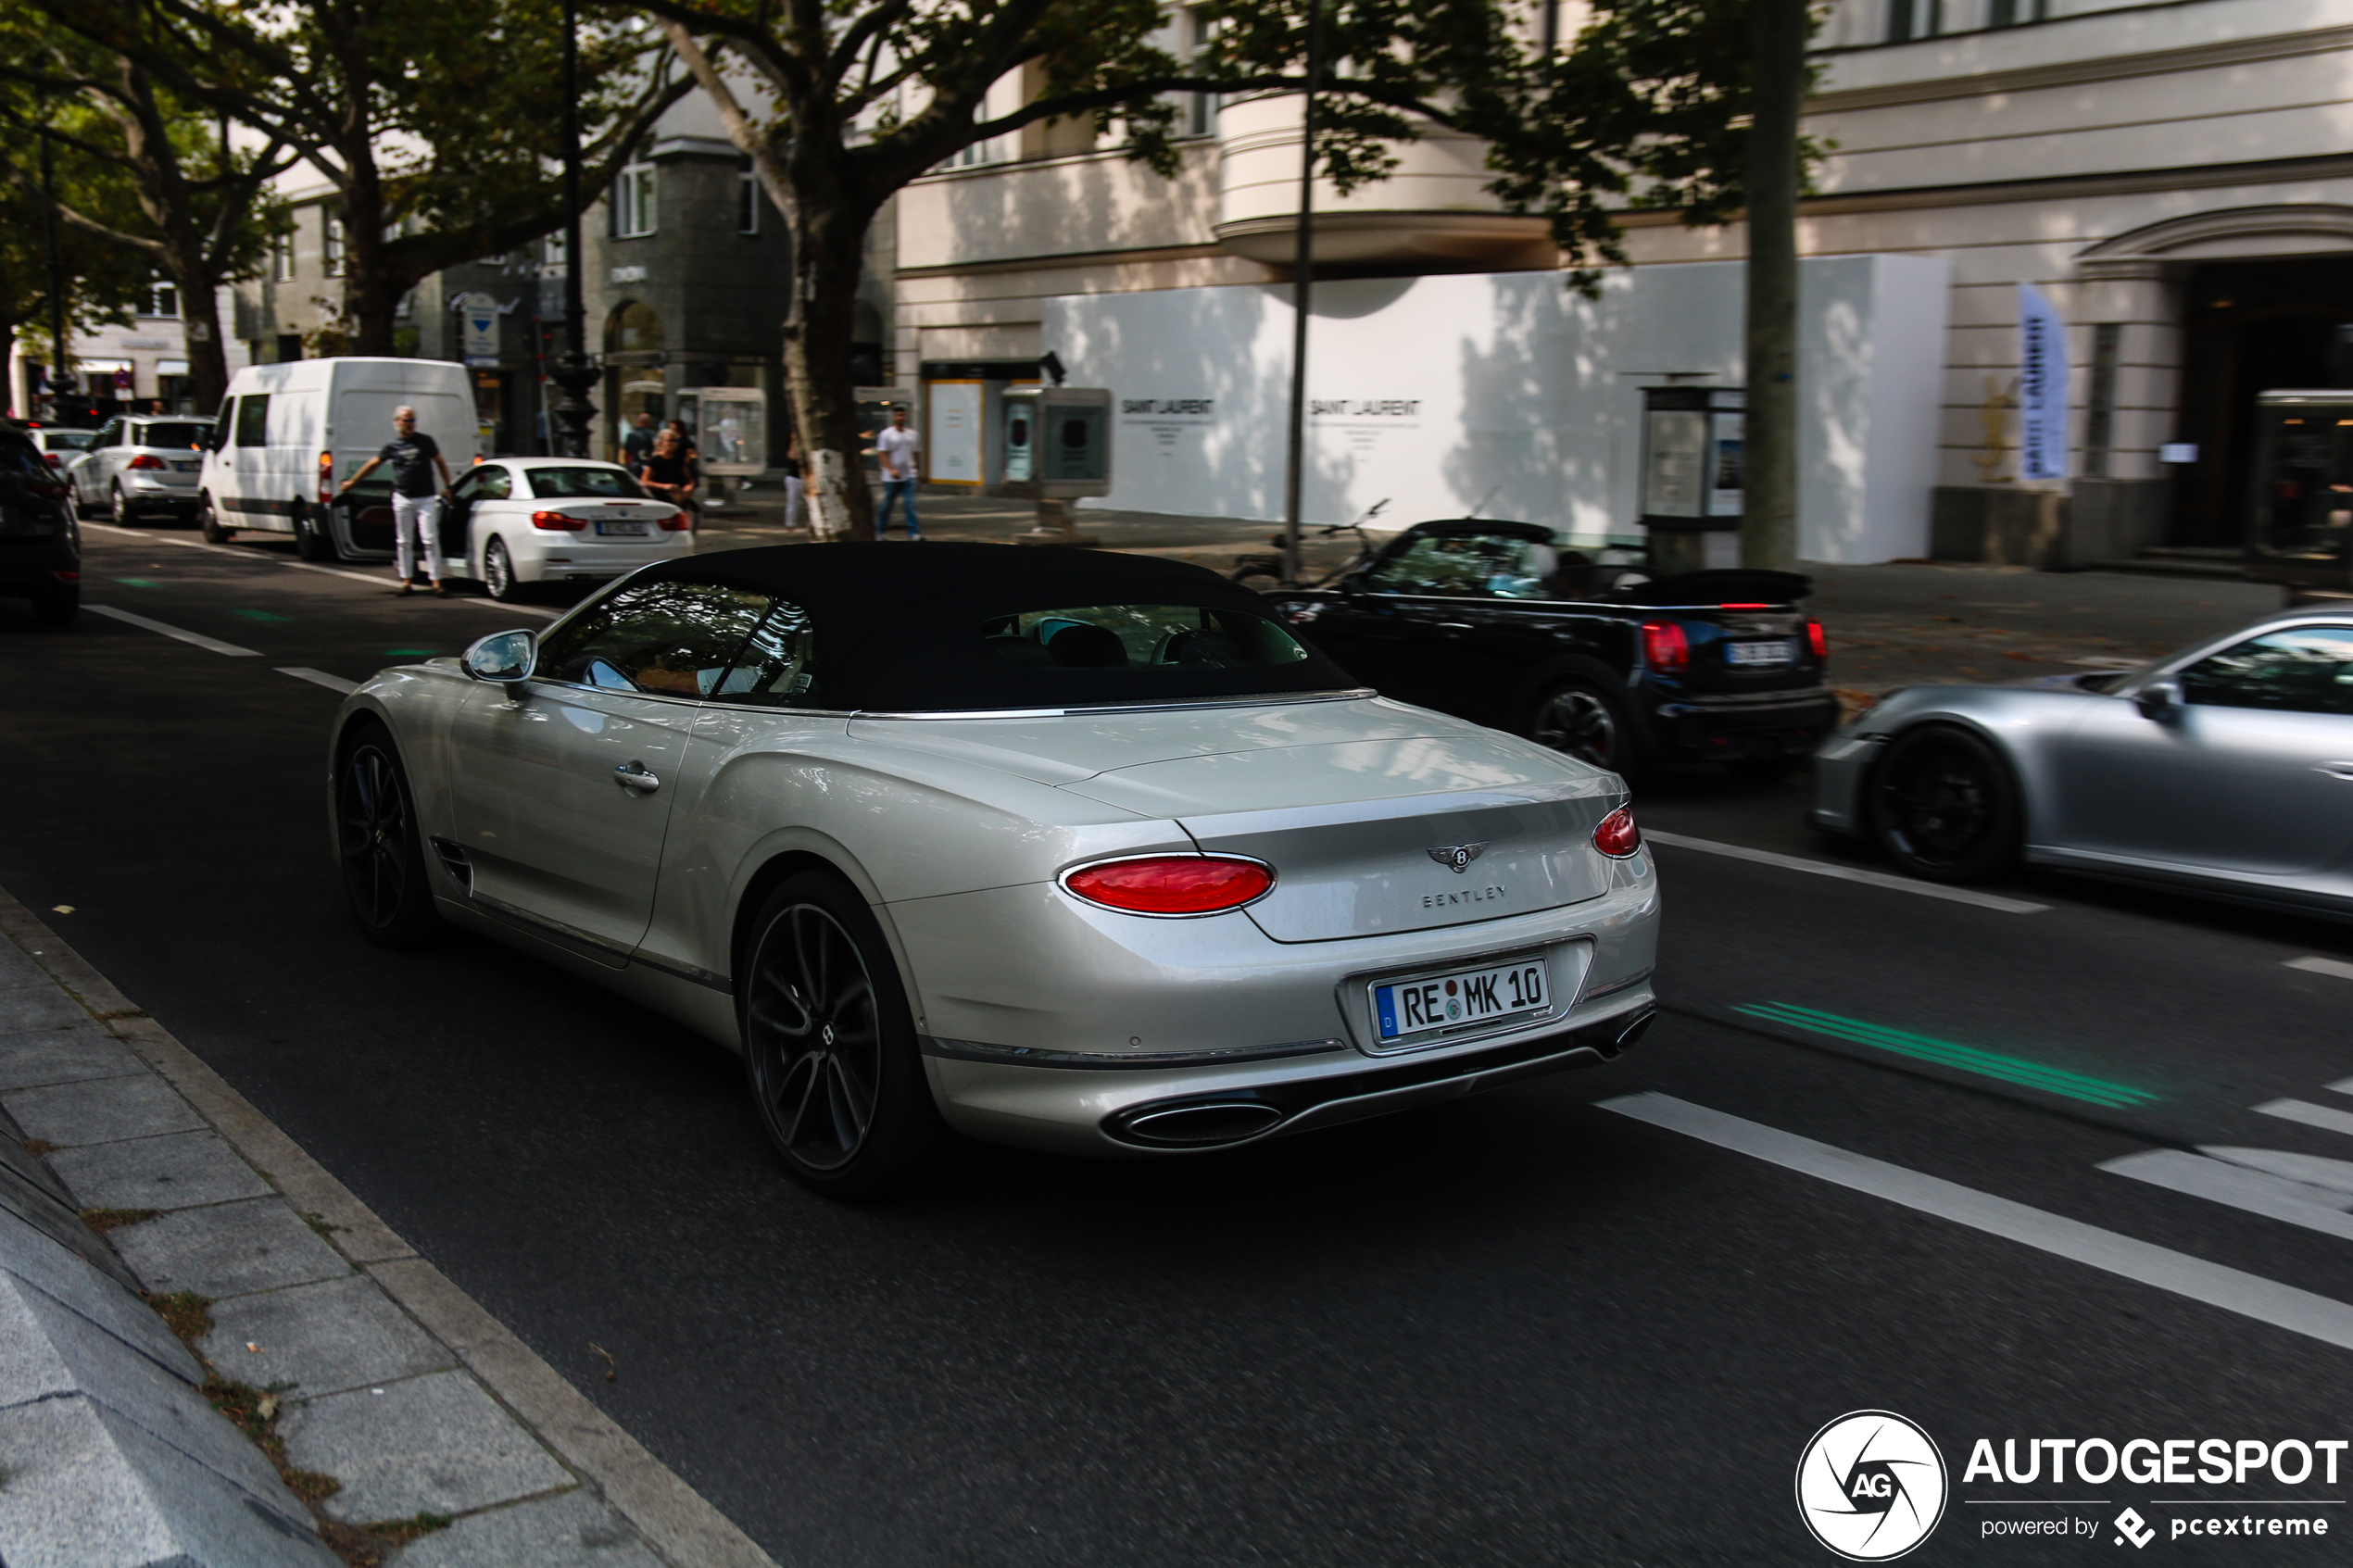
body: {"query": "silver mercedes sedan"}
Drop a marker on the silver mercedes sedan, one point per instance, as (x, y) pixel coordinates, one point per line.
(1056, 848)
(2225, 768)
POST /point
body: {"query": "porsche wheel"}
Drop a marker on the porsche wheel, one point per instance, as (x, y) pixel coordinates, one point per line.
(382, 851)
(829, 1043)
(1581, 720)
(1944, 806)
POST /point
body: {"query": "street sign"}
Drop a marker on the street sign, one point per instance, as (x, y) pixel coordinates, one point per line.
(479, 326)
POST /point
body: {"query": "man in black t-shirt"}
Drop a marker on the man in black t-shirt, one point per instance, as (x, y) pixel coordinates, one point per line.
(415, 500)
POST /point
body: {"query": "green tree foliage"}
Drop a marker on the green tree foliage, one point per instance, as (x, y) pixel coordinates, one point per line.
(167, 187)
(436, 126)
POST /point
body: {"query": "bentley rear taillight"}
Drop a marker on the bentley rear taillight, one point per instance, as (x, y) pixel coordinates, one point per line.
(1173, 884)
(1618, 836)
(1665, 648)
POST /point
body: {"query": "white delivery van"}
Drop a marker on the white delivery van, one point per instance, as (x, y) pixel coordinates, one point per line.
(288, 434)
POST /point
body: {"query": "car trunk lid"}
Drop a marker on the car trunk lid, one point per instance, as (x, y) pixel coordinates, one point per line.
(1373, 836)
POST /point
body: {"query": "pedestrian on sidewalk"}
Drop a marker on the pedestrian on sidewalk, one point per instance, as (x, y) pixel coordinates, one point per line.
(793, 484)
(415, 502)
(900, 450)
(639, 444)
(670, 472)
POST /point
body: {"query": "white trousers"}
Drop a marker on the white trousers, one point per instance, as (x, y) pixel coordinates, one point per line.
(416, 529)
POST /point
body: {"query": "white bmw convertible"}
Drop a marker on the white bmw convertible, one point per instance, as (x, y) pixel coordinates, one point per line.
(1056, 848)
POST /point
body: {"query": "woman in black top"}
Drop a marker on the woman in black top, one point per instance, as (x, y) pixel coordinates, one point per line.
(670, 472)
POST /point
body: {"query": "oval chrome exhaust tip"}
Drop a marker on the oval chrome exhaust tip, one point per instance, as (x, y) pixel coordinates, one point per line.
(1194, 1124)
(1634, 1030)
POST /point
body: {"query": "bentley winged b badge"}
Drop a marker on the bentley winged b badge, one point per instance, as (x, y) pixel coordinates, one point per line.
(1456, 858)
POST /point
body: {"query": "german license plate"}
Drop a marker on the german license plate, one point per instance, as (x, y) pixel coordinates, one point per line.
(1778, 651)
(625, 530)
(1440, 1004)
(184, 465)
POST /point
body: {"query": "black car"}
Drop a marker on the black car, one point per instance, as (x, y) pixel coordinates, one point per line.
(1495, 623)
(40, 550)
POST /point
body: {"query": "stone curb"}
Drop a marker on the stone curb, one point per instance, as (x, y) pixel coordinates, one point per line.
(684, 1529)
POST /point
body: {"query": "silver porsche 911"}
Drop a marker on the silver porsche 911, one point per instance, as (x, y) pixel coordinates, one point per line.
(2225, 768)
(1057, 848)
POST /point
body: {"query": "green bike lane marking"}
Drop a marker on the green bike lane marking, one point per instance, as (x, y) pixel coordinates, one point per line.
(1951, 1053)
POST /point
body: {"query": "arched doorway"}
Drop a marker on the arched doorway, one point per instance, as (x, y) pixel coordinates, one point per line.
(633, 373)
(2242, 301)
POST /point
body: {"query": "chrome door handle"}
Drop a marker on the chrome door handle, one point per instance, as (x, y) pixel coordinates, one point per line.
(632, 775)
(2334, 769)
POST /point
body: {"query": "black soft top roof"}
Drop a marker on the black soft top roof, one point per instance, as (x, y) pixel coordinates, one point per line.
(902, 627)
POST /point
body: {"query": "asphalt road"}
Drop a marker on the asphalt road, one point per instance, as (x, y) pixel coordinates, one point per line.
(1524, 1328)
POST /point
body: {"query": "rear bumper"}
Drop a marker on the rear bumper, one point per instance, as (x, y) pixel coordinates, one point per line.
(32, 567)
(1726, 729)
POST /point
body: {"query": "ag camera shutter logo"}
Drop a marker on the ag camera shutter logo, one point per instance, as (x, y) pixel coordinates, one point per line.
(1872, 1485)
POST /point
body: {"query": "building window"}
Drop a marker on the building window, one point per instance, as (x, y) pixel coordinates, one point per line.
(2099, 409)
(747, 199)
(2010, 13)
(163, 299)
(1197, 113)
(281, 258)
(633, 202)
(330, 253)
(551, 255)
(1907, 19)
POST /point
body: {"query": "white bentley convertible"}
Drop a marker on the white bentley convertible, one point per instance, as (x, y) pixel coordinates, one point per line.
(1055, 847)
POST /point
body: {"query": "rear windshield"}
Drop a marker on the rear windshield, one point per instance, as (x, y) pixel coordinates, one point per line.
(21, 458)
(1147, 639)
(553, 484)
(170, 432)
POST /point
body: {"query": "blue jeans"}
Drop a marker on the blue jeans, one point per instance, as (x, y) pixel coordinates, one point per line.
(900, 490)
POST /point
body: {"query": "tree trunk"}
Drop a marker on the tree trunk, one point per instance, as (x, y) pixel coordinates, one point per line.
(827, 240)
(1768, 523)
(371, 290)
(208, 354)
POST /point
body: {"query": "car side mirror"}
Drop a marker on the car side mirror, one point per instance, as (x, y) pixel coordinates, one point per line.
(2159, 700)
(508, 658)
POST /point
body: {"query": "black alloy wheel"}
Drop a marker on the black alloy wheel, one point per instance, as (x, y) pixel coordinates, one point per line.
(1584, 721)
(1944, 806)
(209, 524)
(382, 851)
(311, 539)
(829, 1043)
(499, 573)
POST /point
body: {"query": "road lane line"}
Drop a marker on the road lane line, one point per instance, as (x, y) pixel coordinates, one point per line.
(2313, 965)
(198, 638)
(2311, 1115)
(320, 678)
(1952, 1053)
(1848, 874)
(2253, 1192)
(2232, 1290)
(375, 580)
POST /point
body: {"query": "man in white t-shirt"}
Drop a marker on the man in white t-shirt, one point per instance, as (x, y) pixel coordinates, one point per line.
(901, 451)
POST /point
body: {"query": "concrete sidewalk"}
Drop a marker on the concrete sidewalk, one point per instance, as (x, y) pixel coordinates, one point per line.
(1889, 625)
(418, 1430)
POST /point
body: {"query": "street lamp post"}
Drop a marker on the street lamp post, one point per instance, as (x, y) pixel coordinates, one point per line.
(1302, 284)
(572, 371)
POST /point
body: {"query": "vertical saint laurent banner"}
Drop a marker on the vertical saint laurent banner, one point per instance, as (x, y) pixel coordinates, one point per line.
(2042, 387)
